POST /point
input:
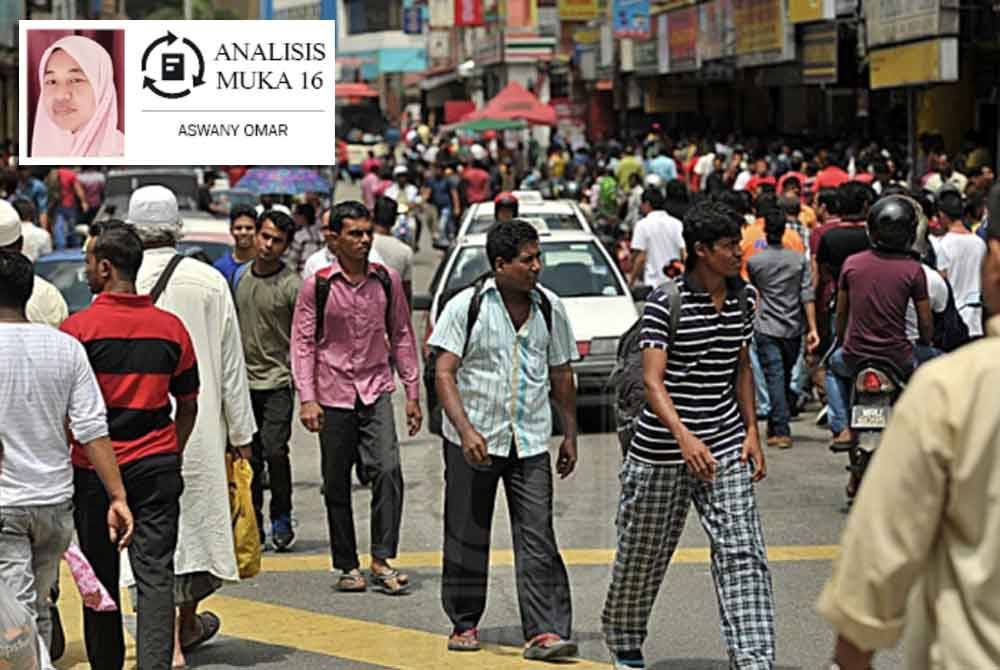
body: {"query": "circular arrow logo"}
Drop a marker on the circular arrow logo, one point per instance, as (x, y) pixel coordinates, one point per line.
(172, 67)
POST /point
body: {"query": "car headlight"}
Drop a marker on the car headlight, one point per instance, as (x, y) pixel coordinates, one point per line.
(603, 346)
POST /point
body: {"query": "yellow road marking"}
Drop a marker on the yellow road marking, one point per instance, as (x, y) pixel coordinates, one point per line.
(71, 613)
(360, 641)
(572, 557)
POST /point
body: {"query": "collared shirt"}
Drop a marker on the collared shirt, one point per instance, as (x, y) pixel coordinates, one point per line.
(352, 360)
(926, 517)
(35, 191)
(784, 282)
(325, 258)
(503, 379)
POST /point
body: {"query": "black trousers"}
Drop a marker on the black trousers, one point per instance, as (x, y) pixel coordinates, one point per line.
(153, 486)
(364, 435)
(272, 411)
(542, 582)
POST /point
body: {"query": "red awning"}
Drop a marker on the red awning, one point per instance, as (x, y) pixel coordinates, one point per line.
(355, 90)
(516, 103)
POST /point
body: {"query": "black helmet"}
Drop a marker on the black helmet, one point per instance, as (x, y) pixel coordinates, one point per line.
(892, 224)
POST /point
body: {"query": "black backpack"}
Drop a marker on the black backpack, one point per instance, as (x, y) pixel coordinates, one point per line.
(434, 408)
(950, 330)
(626, 377)
(323, 294)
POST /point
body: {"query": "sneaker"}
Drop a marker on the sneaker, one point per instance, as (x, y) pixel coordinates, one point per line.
(629, 660)
(282, 534)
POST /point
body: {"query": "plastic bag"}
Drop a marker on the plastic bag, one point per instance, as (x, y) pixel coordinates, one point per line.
(93, 593)
(18, 636)
(246, 536)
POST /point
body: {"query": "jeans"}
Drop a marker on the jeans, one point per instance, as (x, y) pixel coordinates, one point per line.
(153, 486)
(63, 232)
(32, 542)
(759, 382)
(923, 353)
(838, 391)
(777, 356)
(445, 228)
(273, 413)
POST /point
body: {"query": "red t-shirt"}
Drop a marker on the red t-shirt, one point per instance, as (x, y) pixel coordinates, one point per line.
(879, 287)
(67, 187)
(141, 355)
(477, 184)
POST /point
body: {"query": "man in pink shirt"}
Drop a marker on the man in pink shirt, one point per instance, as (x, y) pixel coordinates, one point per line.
(343, 371)
(369, 184)
(476, 183)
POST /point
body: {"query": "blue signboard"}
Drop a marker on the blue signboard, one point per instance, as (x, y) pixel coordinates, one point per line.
(413, 20)
(631, 19)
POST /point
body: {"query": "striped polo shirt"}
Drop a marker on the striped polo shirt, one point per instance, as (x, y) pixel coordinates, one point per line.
(141, 355)
(700, 374)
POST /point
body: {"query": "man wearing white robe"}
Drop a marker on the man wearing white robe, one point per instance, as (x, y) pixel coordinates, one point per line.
(198, 294)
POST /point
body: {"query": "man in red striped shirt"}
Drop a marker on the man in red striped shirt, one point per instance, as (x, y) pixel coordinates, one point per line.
(142, 357)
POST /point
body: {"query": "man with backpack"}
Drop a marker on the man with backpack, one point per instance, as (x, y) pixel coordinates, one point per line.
(695, 441)
(343, 371)
(265, 291)
(503, 343)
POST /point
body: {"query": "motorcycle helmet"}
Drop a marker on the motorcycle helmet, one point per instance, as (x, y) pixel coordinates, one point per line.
(654, 181)
(892, 224)
(505, 199)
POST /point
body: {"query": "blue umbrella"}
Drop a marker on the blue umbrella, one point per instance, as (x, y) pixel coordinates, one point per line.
(283, 181)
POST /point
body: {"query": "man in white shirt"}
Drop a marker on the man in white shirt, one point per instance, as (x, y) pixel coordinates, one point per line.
(657, 241)
(398, 255)
(959, 259)
(47, 380)
(47, 305)
(37, 241)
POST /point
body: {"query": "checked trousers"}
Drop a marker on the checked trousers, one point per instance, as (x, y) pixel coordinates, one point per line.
(652, 510)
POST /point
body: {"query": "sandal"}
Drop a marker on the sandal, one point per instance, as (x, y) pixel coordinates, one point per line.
(352, 582)
(210, 625)
(391, 582)
(549, 647)
(464, 641)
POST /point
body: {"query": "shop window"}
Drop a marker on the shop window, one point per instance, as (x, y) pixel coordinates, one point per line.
(559, 85)
(373, 16)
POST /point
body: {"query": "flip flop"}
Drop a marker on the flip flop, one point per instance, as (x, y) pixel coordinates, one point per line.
(465, 641)
(391, 582)
(210, 625)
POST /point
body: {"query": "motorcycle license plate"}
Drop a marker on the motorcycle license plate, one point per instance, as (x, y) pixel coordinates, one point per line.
(869, 417)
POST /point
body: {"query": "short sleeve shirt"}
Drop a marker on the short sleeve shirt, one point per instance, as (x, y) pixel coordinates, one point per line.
(701, 371)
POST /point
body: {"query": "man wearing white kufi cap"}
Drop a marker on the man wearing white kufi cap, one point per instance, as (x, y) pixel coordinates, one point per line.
(198, 294)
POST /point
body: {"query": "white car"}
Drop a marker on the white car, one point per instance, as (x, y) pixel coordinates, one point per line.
(557, 214)
(578, 269)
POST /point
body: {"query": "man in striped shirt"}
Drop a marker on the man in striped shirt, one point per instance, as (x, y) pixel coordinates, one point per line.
(142, 356)
(696, 441)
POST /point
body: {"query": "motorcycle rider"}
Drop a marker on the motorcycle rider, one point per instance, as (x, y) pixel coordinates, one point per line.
(505, 207)
(874, 290)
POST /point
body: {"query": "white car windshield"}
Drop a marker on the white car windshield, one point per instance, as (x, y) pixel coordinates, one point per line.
(553, 221)
(569, 269)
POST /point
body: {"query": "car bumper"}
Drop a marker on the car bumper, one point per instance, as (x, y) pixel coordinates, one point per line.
(592, 380)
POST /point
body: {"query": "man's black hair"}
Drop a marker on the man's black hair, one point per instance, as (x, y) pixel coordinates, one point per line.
(654, 198)
(241, 210)
(895, 189)
(791, 207)
(765, 203)
(386, 210)
(307, 212)
(349, 209)
(950, 204)
(738, 201)
(281, 221)
(829, 198)
(505, 239)
(855, 198)
(928, 203)
(17, 279)
(774, 226)
(791, 182)
(708, 222)
(25, 209)
(117, 242)
(678, 190)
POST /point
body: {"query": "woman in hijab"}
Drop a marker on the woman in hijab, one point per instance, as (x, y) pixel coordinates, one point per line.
(77, 112)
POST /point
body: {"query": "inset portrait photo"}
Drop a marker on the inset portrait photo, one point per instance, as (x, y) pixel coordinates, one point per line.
(76, 80)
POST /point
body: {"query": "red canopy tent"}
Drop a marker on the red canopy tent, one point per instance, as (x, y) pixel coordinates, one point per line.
(516, 103)
(355, 90)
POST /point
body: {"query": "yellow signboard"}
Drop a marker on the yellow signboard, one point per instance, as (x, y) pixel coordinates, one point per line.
(916, 63)
(657, 6)
(759, 26)
(577, 10)
(588, 36)
(805, 11)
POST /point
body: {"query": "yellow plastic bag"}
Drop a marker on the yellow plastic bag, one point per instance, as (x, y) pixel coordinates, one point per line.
(246, 536)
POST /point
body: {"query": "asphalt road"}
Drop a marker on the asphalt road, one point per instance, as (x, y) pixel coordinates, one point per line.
(290, 616)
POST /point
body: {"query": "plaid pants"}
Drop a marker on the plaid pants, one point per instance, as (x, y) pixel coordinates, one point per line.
(651, 514)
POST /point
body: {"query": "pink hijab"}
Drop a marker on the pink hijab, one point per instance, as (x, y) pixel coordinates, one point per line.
(99, 136)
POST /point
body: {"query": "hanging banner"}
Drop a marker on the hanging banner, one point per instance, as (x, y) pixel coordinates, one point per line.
(468, 13)
(522, 14)
(442, 13)
(763, 34)
(663, 42)
(577, 10)
(926, 62)
(439, 48)
(647, 57)
(631, 19)
(806, 11)
(683, 37)
(657, 6)
(716, 35)
(413, 20)
(819, 53)
(894, 22)
(607, 46)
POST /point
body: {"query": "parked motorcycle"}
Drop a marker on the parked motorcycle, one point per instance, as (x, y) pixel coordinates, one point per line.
(877, 386)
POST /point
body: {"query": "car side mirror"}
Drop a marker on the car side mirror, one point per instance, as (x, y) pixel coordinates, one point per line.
(422, 302)
(640, 293)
